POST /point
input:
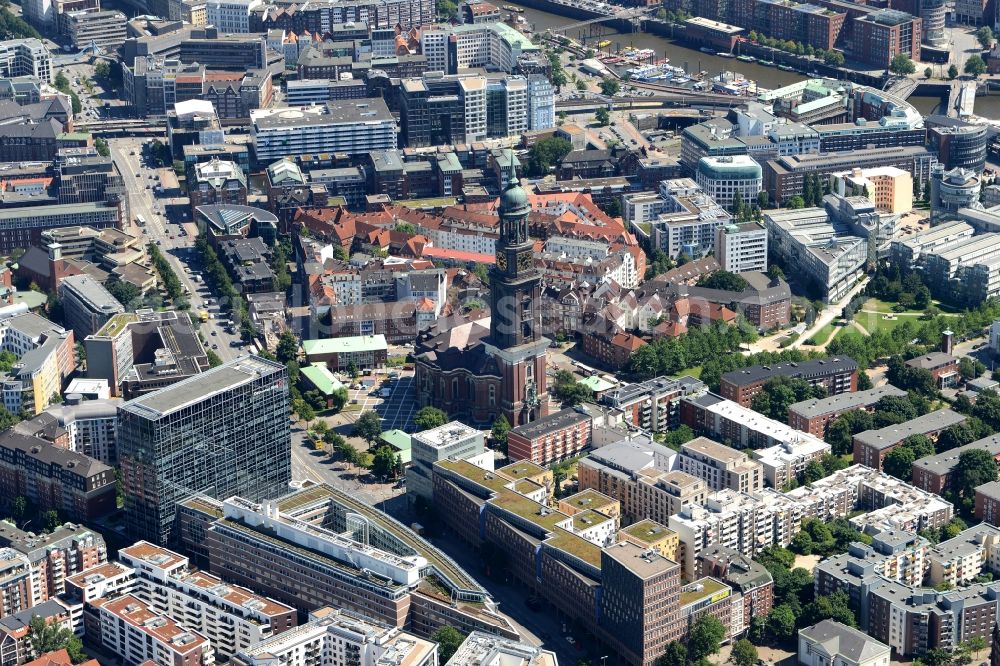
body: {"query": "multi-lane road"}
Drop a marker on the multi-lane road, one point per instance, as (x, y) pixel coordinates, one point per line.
(175, 236)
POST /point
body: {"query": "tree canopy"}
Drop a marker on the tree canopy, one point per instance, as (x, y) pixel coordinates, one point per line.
(743, 653)
(667, 356)
(974, 468)
(723, 280)
(901, 65)
(975, 65)
(779, 393)
(429, 417)
(368, 427)
(568, 390)
(545, 154)
(899, 461)
(47, 637)
(448, 639)
(985, 36)
(609, 87)
(706, 637)
(384, 462)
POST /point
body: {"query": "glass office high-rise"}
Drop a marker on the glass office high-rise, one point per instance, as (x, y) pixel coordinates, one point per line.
(223, 432)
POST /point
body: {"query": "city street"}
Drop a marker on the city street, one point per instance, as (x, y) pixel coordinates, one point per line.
(175, 238)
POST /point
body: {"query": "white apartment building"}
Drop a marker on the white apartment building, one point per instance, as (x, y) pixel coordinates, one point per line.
(750, 522)
(686, 221)
(134, 632)
(491, 46)
(959, 560)
(92, 426)
(541, 103)
(467, 235)
(724, 177)
(720, 466)
(787, 460)
(347, 126)
(482, 649)
(741, 248)
(26, 57)
(576, 249)
(473, 92)
(336, 637)
(230, 16)
(110, 579)
(727, 518)
(231, 617)
(643, 207)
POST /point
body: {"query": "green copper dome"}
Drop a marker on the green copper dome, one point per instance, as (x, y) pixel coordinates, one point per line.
(514, 200)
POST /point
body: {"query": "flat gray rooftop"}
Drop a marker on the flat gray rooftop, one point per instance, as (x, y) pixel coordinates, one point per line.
(194, 389)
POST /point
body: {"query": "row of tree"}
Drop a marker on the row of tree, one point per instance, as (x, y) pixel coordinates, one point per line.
(667, 356)
(168, 277)
(61, 83)
(228, 294)
(831, 57)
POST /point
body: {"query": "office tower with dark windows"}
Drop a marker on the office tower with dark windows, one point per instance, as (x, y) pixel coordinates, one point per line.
(221, 433)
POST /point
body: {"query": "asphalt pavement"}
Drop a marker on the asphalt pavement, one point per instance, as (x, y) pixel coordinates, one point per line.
(175, 236)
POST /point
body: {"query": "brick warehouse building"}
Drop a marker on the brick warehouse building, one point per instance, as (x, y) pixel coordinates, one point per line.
(837, 375)
(551, 438)
(883, 34)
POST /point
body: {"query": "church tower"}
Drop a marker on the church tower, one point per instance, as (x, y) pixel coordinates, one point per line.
(515, 341)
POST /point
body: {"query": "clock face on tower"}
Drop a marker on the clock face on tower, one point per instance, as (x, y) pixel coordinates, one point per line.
(524, 261)
(502, 261)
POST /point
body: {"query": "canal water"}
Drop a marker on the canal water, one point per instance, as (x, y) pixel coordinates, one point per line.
(987, 106)
(694, 60)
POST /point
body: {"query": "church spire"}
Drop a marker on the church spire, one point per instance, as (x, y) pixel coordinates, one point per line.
(513, 211)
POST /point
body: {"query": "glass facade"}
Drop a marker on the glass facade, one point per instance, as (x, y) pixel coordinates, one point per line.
(224, 432)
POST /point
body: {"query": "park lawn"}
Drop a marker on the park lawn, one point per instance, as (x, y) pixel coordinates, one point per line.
(690, 372)
(823, 334)
(874, 322)
(848, 331)
(877, 305)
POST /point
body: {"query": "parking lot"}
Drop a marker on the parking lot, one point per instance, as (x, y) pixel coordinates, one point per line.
(396, 409)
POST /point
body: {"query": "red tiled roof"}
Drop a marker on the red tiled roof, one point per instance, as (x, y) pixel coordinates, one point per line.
(627, 341)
